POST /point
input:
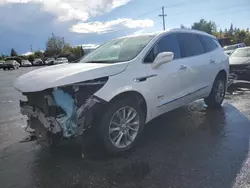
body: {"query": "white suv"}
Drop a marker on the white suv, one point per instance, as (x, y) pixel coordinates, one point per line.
(60, 60)
(124, 84)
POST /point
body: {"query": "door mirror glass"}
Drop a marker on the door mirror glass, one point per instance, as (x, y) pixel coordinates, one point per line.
(161, 58)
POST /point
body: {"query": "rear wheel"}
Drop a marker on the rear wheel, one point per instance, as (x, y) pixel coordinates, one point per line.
(121, 126)
(217, 94)
(4, 68)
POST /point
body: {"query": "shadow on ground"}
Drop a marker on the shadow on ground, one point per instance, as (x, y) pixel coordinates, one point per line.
(188, 147)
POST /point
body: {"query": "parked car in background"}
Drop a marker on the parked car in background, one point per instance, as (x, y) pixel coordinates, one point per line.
(124, 84)
(37, 62)
(11, 64)
(49, 61)
(60, 60)
(239, 62)
(229, 49)
(16, 58)
(26, 63)
(1, 64)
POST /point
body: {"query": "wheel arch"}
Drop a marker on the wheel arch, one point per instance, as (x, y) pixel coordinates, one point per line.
(133, 95)
(222, 73)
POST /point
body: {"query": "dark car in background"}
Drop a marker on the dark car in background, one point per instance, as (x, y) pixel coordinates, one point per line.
(239, 62)
(11, 64)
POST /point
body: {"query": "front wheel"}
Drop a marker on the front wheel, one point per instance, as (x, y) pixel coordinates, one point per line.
(217, 94)
(121, 125)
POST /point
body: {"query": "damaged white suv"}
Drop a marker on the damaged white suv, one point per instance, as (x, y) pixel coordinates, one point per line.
(124, 84)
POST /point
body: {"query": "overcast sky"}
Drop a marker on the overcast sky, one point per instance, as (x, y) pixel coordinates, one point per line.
(31, 22)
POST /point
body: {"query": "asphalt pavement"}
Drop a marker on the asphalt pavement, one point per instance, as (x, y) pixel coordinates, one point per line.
(190, 147)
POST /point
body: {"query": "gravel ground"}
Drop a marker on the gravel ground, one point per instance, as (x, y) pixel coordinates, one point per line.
(191, 147)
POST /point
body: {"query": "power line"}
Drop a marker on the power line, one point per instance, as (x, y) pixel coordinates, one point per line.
(163, 15)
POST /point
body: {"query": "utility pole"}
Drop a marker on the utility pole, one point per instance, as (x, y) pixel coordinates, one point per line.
(30, 48)
(163, 15)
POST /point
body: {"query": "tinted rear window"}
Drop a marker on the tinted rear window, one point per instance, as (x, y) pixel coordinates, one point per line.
(208, 43)
(190, 45)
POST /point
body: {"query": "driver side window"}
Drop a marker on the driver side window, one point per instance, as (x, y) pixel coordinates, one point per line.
(168, 43)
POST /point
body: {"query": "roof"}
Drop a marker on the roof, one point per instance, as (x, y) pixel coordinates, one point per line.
(247, 47)
(174, 30)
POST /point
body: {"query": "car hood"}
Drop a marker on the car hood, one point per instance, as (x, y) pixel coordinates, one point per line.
(228, 51)
(65, 74)
(9, 63)
(239, 60)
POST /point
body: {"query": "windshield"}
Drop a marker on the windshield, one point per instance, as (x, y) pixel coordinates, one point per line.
(10, 61)
(118, 50)
(241, 52)
(230, 47)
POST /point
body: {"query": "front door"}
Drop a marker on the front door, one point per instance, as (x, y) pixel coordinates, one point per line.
(164, 85)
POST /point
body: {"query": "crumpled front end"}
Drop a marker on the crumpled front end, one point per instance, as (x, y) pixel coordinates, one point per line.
(63, 112)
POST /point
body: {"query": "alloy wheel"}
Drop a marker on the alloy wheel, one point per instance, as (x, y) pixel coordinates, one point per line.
(220, 91)
(124, 127)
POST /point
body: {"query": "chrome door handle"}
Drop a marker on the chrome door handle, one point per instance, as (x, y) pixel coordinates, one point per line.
(212, 61)
(182, 67)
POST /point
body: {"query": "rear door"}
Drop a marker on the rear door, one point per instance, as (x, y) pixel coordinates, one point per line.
(193, 66)
(215, 56)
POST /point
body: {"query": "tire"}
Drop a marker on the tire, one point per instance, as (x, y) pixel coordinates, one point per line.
(4, 69)
(131, 133)
(217, 94)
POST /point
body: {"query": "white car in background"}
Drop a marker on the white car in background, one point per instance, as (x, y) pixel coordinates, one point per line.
(124, 84)
(26, 63)
(37, 62)
(11, 64)
(229, 49)
(60, 60)
(49, 61)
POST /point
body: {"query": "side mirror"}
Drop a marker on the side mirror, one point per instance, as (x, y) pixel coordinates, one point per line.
(161, 58)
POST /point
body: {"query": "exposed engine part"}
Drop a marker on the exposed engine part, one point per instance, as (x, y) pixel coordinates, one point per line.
(68, 120)
(49, 123)
(64, 111)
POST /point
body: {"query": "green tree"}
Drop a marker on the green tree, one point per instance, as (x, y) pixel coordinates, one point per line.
(38, 54)
(31, 57)
(247, 40)
(13, 52)
(55, 45)
(183, 26)
(205, 26)
(231, 30)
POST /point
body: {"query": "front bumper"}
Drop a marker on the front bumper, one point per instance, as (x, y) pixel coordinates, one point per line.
(8, 66)
(241, 71)
(67, 125)
(49, 123)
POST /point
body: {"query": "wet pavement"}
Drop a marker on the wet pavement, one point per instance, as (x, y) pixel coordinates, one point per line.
(191, 147)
